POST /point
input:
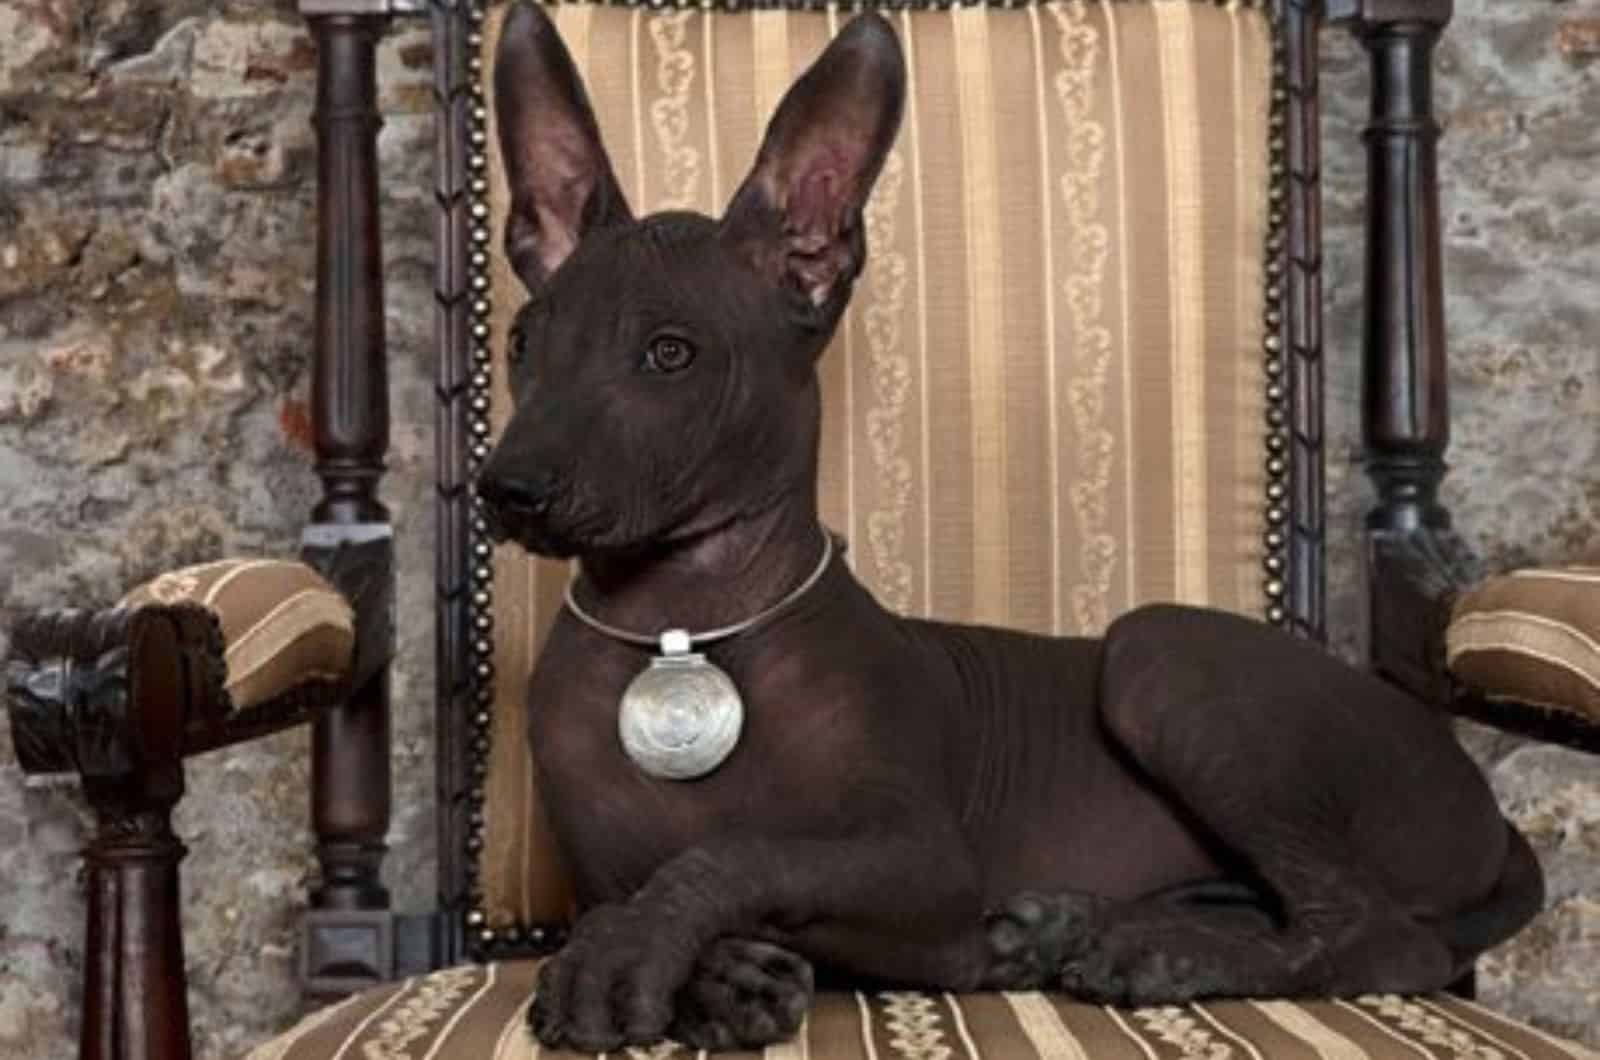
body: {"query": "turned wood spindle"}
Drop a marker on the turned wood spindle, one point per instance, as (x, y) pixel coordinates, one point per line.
(350, 419)
(1405, 407)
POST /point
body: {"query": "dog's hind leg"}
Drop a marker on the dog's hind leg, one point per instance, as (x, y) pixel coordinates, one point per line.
(1324, 930)
(1516, 898)
(1345, 800)
(1034, 936)
(1339, 936)
(1276, 800)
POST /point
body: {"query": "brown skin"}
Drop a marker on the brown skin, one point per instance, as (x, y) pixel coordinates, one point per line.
(927, 804)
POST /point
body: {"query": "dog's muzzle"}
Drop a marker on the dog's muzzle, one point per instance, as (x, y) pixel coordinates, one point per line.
(516, 507)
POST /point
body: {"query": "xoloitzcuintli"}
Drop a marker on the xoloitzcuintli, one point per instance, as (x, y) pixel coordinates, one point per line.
(1194, 805)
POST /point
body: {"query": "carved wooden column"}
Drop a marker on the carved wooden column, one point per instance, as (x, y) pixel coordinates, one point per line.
(1405, 406)
(135, 997)
(348, 941)
(135, 993)
(1414, 560)
(349, 396)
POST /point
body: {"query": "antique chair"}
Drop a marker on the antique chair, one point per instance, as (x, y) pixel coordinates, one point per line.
(1082, 370)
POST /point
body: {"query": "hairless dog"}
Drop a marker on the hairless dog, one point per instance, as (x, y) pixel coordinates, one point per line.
(1194, 805)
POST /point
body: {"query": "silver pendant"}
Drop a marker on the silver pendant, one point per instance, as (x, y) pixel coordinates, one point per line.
(680, 718)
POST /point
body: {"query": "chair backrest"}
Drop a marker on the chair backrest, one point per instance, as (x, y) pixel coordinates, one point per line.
(1059, 390)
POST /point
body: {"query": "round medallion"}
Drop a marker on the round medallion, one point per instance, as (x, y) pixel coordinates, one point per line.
(680, 718)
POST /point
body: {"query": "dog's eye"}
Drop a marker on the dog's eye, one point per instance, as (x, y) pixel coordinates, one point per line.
(517, 346)
(667, 353)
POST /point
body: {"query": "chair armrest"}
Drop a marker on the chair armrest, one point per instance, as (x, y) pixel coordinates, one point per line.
(87, 692)
(1423, 580)
(1523, 650)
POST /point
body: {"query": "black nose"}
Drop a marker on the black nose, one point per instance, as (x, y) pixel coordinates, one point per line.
(511, 501)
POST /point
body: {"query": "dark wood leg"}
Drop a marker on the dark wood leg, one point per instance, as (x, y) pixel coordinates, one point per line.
(135, 1001)
(349, 937)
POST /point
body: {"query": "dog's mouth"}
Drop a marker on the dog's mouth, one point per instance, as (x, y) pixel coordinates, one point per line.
(533, 536)
(546, 543)
(592, 541)
(541, 535)
(562, 529)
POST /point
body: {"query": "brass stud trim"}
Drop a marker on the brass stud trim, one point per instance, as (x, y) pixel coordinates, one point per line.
(1276, 394)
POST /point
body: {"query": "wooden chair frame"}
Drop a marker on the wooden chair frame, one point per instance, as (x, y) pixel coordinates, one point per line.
(123, 699)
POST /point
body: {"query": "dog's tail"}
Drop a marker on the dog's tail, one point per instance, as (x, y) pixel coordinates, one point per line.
(1515, 899)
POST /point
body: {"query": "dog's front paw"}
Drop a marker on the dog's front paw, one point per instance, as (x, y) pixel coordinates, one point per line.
(612, 984)
(743, 995)
(1033, 935)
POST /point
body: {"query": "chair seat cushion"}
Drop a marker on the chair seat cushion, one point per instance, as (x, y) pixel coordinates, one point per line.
(1532, 636)
(478, 1012)
(282, 623)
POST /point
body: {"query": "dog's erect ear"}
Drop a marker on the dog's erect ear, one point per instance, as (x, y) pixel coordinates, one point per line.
(558, 172)
(797, 216)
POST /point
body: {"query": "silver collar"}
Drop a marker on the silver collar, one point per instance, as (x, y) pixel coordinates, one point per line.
(676, 641)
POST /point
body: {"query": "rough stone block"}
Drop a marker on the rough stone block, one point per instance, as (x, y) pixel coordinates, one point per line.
(250, 58)
(1579, 38)
(31, 31)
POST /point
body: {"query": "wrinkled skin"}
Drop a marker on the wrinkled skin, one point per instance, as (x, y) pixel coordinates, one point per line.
(1194, 805)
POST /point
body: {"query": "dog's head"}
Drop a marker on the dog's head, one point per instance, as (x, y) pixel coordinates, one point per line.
(663, 368)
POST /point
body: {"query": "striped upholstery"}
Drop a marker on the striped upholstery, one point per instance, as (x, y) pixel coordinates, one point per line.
(1046, 403)
(1532, 636)
(478, 1013)
(282, 623)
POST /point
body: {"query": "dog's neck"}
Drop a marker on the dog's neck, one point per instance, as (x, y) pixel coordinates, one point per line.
(716, 579)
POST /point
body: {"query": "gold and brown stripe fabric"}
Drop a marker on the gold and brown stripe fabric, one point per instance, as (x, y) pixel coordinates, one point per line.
(1046, 402)
(1532, 636)
(480, 1013)
(282, 623)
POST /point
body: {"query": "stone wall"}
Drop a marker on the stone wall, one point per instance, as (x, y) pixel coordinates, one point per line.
(157, 177)
(156, 168)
